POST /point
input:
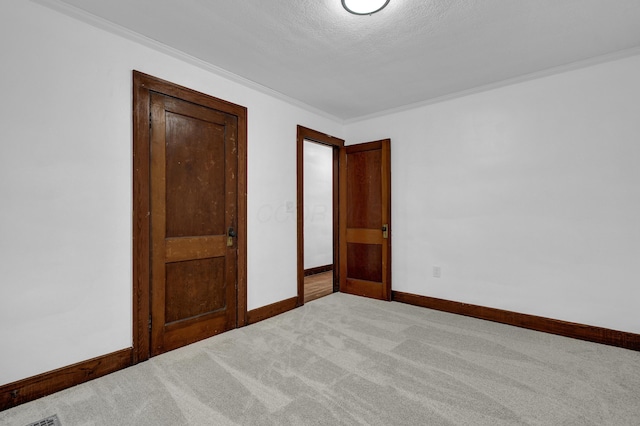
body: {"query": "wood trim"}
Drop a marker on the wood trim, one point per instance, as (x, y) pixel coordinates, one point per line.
(304, 133)
(342, 260)
(300, 213)
(44, 384)
(141, 218)
(386, 216)
(589, 333)
(318, 270)
(336, 219)
(143, 86)
(241, 277)
(259, 314)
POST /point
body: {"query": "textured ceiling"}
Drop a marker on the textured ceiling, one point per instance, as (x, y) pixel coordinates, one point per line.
(412, 51)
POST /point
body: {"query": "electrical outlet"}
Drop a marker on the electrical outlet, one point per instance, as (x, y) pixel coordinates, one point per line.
(437, 272)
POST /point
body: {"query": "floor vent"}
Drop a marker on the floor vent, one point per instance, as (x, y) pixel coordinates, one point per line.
(49, 421)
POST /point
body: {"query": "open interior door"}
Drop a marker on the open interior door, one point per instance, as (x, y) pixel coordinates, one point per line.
(365, 219)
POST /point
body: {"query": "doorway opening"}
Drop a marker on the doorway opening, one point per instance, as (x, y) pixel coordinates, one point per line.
(318, 195)
(318, 220)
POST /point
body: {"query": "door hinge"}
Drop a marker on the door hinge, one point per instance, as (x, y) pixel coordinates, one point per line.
(149, 322)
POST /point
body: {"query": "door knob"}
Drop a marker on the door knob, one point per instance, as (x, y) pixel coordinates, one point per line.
(385, 231)
(230, 235)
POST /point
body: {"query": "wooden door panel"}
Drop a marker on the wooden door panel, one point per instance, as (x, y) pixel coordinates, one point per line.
(194, 172)
(185, 248)
(364, 262)
(365, 203)
(193, 204)
(193, 288)
(364, 185)
(364, 236)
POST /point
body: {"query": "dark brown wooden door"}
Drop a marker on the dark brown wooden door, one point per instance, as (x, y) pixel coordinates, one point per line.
(365, 220)
(194, 164)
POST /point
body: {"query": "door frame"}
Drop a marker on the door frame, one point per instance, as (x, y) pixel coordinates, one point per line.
(143, 86)
(337, 144)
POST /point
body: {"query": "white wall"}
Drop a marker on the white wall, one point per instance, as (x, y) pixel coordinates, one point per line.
(318, 204)
(65, 186)
(527, 196)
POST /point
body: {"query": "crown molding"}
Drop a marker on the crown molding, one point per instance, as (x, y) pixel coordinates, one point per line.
(95, 21)
(585, 63)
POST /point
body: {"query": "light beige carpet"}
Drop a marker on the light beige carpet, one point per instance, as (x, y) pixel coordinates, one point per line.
(349, 360)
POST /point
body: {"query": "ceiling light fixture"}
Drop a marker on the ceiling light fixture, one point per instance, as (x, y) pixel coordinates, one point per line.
(364, 7)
